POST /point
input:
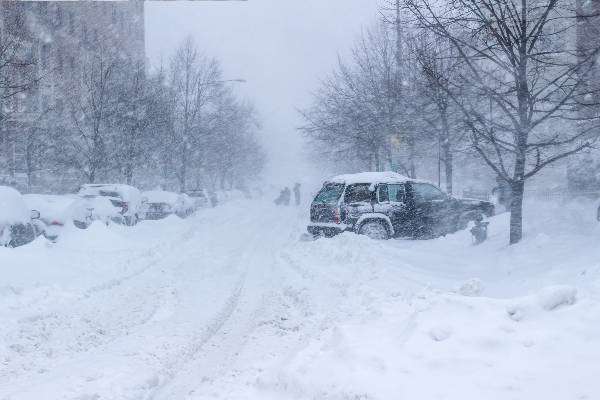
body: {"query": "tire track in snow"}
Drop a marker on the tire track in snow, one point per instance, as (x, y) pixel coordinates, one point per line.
(83, 322)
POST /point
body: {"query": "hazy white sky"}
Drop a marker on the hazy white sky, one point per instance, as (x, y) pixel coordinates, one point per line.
(281, 47)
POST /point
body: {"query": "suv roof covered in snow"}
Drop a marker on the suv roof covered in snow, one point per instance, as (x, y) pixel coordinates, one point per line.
(125, 192)
(372, 177)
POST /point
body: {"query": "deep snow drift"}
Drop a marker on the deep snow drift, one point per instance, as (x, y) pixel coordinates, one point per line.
(229, 304)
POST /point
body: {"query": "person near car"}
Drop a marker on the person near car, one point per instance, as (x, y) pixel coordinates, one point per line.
(284, 197)
(297, 194)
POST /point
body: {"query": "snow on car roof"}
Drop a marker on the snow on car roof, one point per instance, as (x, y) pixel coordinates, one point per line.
(129, 193)
(371, 177)
(50, 206)
(160, 196)
(12, 207)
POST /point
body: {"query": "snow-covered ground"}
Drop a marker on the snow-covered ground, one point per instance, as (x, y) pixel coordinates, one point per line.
(229, 304)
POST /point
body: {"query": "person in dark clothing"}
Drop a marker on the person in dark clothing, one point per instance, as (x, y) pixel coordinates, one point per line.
(297, 193)
(214, 201)
(279, 199)
(284, 197)
(287, 194)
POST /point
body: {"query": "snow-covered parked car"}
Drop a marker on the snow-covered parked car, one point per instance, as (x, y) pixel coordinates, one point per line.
(199, 197)
(159, 204)
(56, 211)
(385, 204)
(111, 202)
(17, 221)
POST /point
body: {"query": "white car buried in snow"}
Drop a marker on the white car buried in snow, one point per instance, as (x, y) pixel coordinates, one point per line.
(111, 202)
(17, 221)
(159, 204)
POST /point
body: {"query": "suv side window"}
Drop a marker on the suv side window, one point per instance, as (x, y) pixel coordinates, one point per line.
(358, 193)
(396, 192)
(425, 192)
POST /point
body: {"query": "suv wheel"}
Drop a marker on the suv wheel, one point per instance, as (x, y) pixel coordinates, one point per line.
(374, 230)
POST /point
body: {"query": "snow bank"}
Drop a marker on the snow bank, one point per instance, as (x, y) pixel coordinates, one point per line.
(12, 207)
(445, 346)
(547, 299)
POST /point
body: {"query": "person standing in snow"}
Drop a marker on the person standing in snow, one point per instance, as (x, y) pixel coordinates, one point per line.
(287, 194)
(297, 193)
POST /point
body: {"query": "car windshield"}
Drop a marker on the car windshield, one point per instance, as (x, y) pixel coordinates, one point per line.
(107, 193)
(357, 193)
(329, 194)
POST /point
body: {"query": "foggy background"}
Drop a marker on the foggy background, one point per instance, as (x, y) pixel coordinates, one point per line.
(280, 47)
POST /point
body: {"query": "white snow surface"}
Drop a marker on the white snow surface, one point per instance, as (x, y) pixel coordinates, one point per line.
(161, 196)
(52, 207)
(229, 304)
(372, 177)
(12, 207)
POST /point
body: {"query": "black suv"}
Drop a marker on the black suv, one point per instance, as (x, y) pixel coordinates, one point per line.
(385, 204)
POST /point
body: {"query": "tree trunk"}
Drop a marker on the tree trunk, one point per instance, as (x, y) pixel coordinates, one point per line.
(448, 166)
(516, 211)
(447, 151)
(129, 173)
(411, 156)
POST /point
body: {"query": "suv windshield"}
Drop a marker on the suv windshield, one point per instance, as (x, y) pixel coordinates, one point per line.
(329, 194)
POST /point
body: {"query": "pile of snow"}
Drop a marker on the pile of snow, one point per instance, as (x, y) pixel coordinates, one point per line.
(13, 209)
(547, 299)
(445, 346)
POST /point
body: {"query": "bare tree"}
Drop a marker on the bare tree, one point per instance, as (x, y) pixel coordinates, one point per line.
(360, 107)
(439, 68)
(518, 56)
(93, 99)
(18, 77)
(138, 118)
(195, 81)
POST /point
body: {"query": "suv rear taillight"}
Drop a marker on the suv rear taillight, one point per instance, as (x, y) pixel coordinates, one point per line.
(337, 218)
(56, 223)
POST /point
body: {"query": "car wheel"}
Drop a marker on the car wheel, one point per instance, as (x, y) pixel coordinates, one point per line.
(374, 230)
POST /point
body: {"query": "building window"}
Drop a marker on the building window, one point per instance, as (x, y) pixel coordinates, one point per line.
(71, 22)
(58, 21)
(60, 106)
(44, 54)
(45, 102)
(59, 62)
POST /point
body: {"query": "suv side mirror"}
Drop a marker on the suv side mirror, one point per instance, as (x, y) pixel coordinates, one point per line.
(35, 214)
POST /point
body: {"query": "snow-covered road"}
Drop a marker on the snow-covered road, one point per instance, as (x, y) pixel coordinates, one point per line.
(229, 304)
